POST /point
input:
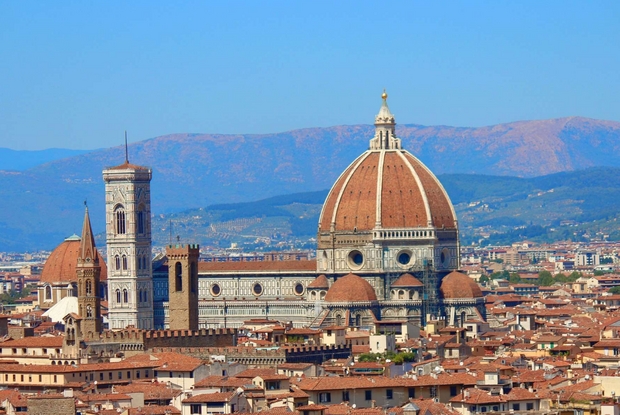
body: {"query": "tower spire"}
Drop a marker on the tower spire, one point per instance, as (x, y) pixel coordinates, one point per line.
(385, 126)
(126, 149)
(88, 252)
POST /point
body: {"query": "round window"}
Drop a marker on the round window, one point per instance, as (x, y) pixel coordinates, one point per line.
(356, 259)
(299, 288)
(404, 258)
(257, 289)
(216, 290)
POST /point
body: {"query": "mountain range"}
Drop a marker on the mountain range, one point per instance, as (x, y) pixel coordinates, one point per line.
(43, 204)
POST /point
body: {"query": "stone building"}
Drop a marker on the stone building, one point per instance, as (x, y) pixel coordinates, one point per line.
(388, 251)
(128, 238)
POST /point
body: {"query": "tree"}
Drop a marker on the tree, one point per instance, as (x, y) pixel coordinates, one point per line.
(545, 278)
(598, 273)
(574, 276)
(559, 277)
(514, 278)
(483, 279)
(615, 290)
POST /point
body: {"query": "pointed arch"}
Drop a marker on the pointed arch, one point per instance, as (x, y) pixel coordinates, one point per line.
(120, 224)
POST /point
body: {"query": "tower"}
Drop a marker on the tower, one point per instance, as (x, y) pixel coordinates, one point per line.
(88, 276)
(183, 286)
(128, 237)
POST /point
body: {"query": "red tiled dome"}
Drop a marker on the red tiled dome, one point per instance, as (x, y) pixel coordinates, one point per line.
(459, 285)
(409, 195)
(350, 288)
(407, 280)
(60, 265)
(319, 282)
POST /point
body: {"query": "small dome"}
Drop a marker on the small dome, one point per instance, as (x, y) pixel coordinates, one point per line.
(459, 285)
(60, 265)
(407, 280)
(319, 282)
(350, 288)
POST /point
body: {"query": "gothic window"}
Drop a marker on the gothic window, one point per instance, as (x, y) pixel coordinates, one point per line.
(146, 296)
(125, 296)
(118, 296)
(119, 217)
(89, 311)
(124, 262)
(358, 320)
(48, 292)
(339, 320)
(89, 288)
(140, 220)
(140, 295)
(178, 277)
(117, 262)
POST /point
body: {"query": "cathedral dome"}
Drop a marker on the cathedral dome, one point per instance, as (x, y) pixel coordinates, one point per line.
(386, 188)
(458, 285)
(320, 282)
(350, 288)
(407, 280)
(60, 265)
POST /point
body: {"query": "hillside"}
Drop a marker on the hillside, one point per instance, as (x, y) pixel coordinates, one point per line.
(43, 204)
(20, 160)
(576, 205)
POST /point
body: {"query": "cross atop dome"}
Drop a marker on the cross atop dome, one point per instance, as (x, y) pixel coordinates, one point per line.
(385, 125)
(384, 116)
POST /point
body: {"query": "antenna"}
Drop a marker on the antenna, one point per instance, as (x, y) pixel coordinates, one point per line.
(126, 150)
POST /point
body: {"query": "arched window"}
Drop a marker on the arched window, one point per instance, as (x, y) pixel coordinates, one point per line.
(140, 295)
(119, 217)
(141, 220)
(339, 320)
(117, 262)
(89, 311)
(118, 296)
(124, 262)
(89, 287)
(48, 292)
(194, 277)
(178, 277)
(125, 296)
(146, 296)
(358, 320)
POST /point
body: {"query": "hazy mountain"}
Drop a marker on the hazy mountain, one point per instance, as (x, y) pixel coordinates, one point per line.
(43, 204)
(23, 159)
(573, 205)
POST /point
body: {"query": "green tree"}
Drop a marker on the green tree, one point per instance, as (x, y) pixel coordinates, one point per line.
(615, 290)
(483, 280)
(559, 277)
(574, 276)
(545, 278)
(598, 273)
(514, 278)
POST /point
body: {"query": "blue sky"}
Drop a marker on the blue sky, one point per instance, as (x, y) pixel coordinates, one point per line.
(76, 74)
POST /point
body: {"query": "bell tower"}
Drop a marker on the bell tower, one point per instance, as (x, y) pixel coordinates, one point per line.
(88, 277)
(128, 237)
(183, 286)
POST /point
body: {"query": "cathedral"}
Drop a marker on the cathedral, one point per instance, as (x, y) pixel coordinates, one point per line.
(387, 254)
